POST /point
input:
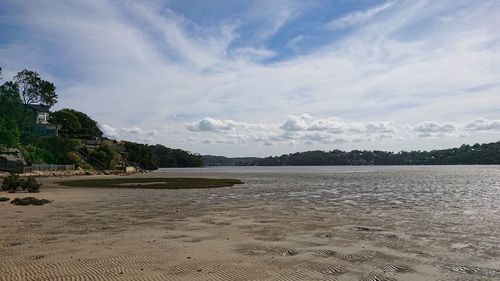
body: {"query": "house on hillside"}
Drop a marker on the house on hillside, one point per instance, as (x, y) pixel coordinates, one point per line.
(39, 125)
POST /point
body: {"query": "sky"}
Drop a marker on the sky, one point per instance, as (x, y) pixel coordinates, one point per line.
(267, 77)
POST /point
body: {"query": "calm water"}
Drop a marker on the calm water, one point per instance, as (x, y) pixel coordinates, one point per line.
(452, 205)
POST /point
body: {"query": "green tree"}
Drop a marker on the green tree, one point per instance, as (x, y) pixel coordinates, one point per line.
(141, 155)
(9, 133)
(68, 121)
(35, 90)
(75, 123)
(11, 106)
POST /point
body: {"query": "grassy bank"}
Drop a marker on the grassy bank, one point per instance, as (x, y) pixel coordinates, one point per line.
(153, 183)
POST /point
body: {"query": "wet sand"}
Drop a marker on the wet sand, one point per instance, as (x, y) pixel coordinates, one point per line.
(229, 233)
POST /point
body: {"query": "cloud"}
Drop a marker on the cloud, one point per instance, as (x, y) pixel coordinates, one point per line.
(434, 129)
(253, 54)
(359, 17)
(211, 125)
(307, 130)
(109, 131)
(483, 124)
(398, 61)
(381, 127)
(295, 41)
(131, 134)
(294, 130)
(331, 125)
(450, 129)
(296, 123)
(218, 125)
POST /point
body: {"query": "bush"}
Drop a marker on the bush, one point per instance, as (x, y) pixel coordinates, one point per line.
(11, 183)
(3, 199)
(31, 185)
(48, 150)
(104, 157)
(73, 157)
(35, 154)
(29, 201)
(9, 132)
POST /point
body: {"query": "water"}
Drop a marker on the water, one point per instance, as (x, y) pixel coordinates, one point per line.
(457, 207)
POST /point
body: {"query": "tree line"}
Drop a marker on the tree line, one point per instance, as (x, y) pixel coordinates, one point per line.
(488, 153)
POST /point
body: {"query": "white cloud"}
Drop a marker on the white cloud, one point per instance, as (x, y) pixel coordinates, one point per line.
(296, 123)
(109, 131)
(306, 130)
(381, 127)
(483, 124)
(359, 17)
(131, 134)
(296, 129)
(151, 63)
(331, 125)
(253, 54)
(434, 129)
(209, 124)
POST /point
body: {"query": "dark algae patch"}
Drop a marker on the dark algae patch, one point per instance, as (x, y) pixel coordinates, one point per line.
(3, 199)
(153, 183)
(30, 201)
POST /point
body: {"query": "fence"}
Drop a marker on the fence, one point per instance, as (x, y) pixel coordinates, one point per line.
(50, 167)
(20, 168)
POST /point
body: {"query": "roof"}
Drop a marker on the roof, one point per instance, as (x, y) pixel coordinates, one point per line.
(39, 107)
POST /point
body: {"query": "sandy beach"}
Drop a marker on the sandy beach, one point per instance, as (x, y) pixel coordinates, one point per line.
(231, 233)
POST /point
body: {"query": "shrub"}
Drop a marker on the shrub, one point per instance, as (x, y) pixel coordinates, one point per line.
(104, 157)
(73, 157)
(35, 154)
(9, 132)
(31, 185)
(57, 147)
(11, 183)
(3, 199)
(29, 201)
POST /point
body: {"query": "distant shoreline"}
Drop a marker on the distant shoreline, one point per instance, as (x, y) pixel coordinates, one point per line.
(477, 154)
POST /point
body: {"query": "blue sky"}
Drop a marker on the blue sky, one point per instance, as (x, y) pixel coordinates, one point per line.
(242, 78)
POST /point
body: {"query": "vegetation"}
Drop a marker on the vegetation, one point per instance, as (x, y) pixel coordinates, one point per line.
(35, 154)
(3, 199)
(166, 157)
(75, 124)
(11, 115)
(50, 150)
(9, 133)
(210, 160)
(488, 153)
(13, 182)
(31, 185)
(140, 155)
(105, 156)
(152, 157)
(33, 89)
(29, 201)
(153, 183)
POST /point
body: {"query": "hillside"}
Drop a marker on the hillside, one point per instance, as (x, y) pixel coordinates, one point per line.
(68, 136)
